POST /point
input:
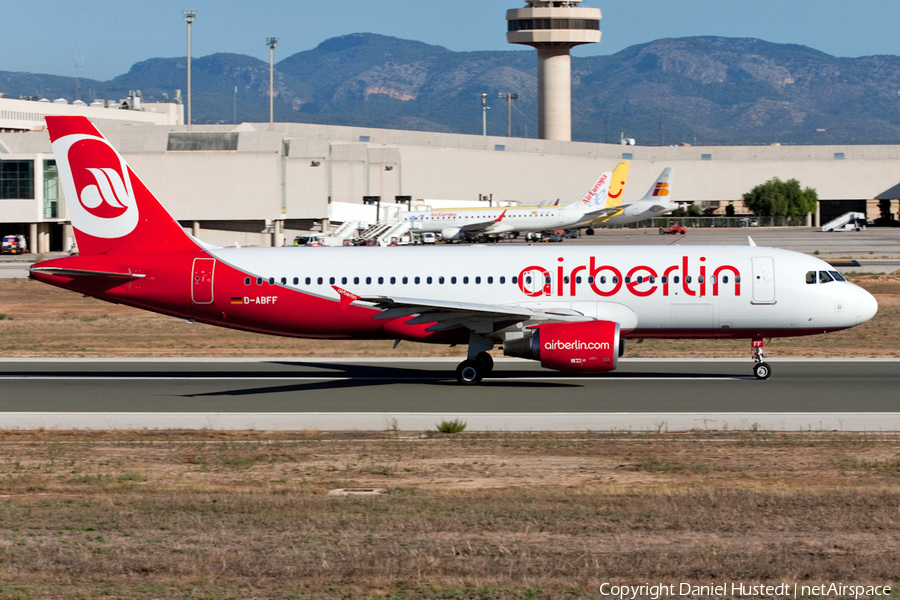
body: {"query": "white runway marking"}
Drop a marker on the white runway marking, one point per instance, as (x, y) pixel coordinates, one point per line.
(296, 378)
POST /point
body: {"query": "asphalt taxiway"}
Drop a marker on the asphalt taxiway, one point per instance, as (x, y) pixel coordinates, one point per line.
(331, 394)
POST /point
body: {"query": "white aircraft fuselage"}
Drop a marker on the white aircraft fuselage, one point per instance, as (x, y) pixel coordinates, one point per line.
(567, 306)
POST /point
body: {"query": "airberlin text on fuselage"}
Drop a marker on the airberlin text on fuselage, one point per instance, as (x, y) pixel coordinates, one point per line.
(640, 280)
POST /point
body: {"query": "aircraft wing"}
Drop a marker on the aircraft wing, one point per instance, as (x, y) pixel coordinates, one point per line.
(602, 212)
(447, 315)
(482, 225)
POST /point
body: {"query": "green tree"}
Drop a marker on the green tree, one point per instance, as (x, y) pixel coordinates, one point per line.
(776, 198)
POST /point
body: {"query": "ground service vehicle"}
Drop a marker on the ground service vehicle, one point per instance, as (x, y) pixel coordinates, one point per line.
(673, 228)
(569, 307)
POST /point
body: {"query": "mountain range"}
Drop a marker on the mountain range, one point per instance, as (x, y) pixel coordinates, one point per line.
(698, 90)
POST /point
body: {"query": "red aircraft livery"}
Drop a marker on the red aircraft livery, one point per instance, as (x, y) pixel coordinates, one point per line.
(571, 309)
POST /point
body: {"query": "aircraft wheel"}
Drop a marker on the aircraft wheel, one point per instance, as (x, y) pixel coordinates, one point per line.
(590, 231)
(487, 360)
(762, 370)
(469, 372)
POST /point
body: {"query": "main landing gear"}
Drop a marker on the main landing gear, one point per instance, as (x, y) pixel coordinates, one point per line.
(473, 371)
(761, 369)
(479, 363)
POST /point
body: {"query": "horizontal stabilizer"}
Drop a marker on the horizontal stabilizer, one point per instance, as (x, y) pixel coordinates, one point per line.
(85, 273)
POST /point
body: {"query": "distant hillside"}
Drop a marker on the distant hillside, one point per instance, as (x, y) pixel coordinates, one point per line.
(704, 89)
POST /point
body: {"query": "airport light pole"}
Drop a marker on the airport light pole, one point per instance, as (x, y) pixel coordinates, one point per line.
(484, 109)
(272, 42)
(190, 16)
(510, 98)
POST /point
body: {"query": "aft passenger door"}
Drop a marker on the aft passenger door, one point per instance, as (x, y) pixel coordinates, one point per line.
(202, 280)
(763, 280)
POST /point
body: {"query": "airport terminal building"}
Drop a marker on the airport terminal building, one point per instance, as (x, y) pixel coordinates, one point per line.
(248, 185)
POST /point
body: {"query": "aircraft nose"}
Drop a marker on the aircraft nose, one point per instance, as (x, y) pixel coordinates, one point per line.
(866, 306)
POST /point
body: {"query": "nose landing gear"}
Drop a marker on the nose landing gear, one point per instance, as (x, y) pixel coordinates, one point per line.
(761, 370)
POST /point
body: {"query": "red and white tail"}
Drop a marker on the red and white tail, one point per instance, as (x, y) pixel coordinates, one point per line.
(111, 209)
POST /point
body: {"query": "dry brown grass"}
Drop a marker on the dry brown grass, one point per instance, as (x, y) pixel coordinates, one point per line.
(245, 514)
(43, 321)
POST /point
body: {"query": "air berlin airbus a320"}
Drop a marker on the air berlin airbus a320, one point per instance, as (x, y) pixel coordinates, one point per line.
(568, 307)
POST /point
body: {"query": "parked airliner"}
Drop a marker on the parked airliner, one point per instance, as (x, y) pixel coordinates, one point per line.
(655, 202)
(568, 307)
(602, 198)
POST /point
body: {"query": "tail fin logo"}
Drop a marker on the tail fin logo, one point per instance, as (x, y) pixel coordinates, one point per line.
(661, 189)
(593, 197)
(103, 199)
(100, 183)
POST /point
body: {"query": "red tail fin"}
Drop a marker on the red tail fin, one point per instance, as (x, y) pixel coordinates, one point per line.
(111, 209)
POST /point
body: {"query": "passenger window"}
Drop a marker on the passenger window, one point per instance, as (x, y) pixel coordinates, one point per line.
(453, 280)
(478, 280)
(837, 276)
(515, 279)
(271, 281)
(810, 277)
(503, 280)
(246, 281)
(284, 281)
(368, 281)
(356, 281)
(737, 278)
(700, 279)
(331, 280)
(615, 279)
(320, 281)
(547, 279)
(343, 281)
(712, 279)
(393, 280)
(416, 280)
(296, 280)
(405, 280)
(259, 281)
(490, 280)
(441, 280)
(652, 279)
(528, 279)
(627, 279)
(381, 281)
(591, 279)
(687, 278)
(578, 279)
(824, 277)
(566, 279)
(724, 278)
(428, 280)
(465, 280)
(664, 279)
(308, 281)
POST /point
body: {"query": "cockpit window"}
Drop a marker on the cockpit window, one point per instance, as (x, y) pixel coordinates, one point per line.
(837, 276)
(810, 277)
(825, 277)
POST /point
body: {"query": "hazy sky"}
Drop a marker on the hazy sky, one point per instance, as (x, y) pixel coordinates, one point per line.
(46, 37)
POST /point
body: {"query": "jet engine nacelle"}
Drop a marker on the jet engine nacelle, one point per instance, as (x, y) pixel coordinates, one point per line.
(452, 233)
(582, 347)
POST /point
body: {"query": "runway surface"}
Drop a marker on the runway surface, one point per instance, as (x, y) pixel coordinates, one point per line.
(330, 394)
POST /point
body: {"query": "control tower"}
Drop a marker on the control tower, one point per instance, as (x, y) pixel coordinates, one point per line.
(554, 27)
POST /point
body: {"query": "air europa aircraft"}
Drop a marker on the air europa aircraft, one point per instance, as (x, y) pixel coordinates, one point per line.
(601, 199)
(568, 307)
